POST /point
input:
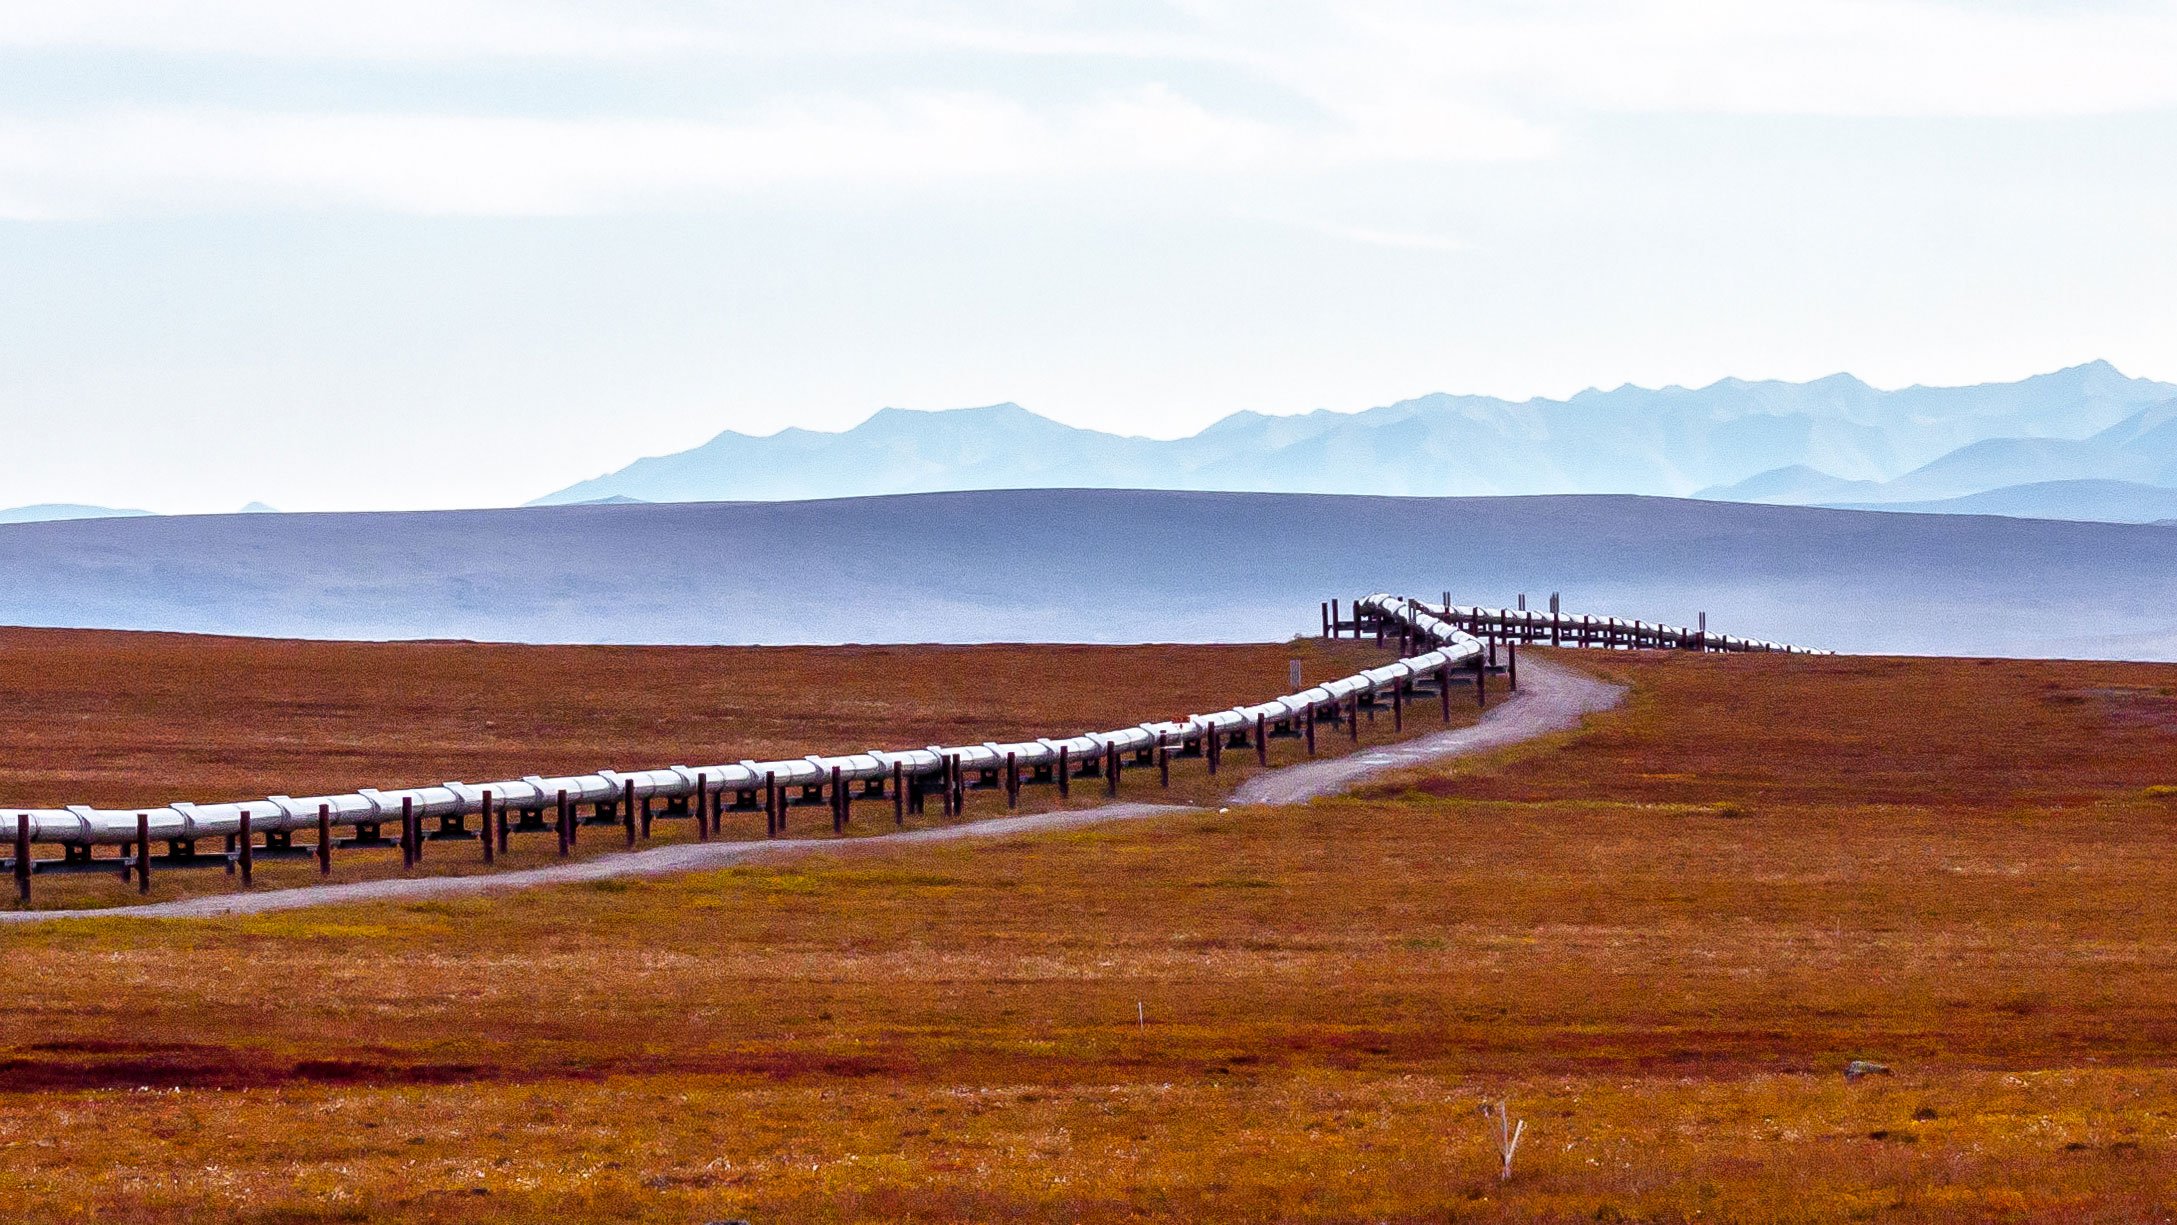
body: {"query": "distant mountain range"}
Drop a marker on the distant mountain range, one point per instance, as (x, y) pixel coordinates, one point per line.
(1127, 566)
(1830, 441)
(50, 512)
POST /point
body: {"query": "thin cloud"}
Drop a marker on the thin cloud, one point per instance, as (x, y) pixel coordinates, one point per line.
(1328, 88)
(135, 162)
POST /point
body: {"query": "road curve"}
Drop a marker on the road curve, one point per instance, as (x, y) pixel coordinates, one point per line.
(1551, 698)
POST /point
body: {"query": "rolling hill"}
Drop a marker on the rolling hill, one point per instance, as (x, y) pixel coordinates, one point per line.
(1096, 565)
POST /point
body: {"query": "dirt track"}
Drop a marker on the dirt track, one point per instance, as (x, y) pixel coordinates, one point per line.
(1551, 698)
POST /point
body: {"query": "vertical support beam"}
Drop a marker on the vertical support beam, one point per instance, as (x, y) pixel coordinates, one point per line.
(1481, 682)
(248, 845)
(1334, 619)
(1262, 743)
(143, 847)
(483, 828)
(1353, 720)
(1398, 706)
(627, 811)
(1164, 761)
(563, 822)
(647, 815)
(770, 804)
(1324, 608)
(839, 801)
(1511, 665)
(1557, 625)
(324, 839)
(1210, 742)
(500, 830)
(22, 858)
(410, 845)
(1065, 772)
(1308, 722)
(899, 795)
(702, 808)
(1012, 781)
(1111, 767)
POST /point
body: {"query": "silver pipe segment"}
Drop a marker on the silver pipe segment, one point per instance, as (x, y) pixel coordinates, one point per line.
(1440, 629)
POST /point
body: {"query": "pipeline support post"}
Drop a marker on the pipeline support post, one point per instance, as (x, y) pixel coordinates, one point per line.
(22, 858)
(483, 827)
(143, 851)
(324, 840)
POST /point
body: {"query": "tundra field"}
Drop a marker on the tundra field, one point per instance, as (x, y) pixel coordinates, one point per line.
(1661, 938)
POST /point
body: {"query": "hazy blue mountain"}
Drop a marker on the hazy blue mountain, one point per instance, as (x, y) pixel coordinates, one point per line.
(1796, 485)
(1098, 565)
(2090, 500)
(48, 512)
(895, 451)
(1998, 463)
(2139, 450)
(1672, 441)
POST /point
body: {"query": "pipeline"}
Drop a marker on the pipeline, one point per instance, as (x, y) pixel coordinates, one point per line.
(1454, 638)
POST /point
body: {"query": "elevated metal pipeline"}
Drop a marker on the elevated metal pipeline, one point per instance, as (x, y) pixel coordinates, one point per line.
(1454, 636)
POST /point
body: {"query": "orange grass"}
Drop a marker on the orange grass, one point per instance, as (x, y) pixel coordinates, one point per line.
(1661, 946)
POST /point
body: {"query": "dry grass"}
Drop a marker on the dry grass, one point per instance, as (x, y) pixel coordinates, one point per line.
(121, 719)
(1661, 945)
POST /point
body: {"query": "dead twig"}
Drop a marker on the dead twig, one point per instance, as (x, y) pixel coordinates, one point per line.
(1508, 1135)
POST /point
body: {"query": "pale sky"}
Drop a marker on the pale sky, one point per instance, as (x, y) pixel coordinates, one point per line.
(418, 253)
